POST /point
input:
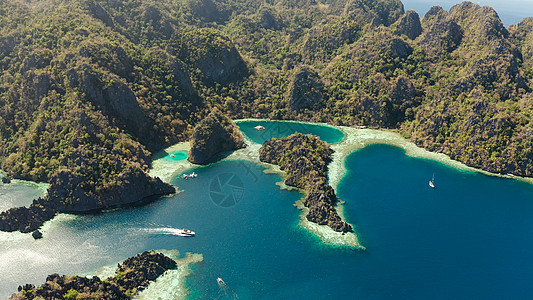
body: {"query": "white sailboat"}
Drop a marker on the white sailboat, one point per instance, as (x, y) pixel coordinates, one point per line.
(432, 181)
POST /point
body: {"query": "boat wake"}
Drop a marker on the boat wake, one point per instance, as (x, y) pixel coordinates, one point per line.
(224, 291)
(170, 231)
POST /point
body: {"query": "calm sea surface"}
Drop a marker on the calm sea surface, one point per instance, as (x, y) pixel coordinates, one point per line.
(510, 11)
(279, 129)
(470, 238)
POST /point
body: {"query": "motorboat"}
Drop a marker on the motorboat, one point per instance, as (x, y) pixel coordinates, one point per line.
(185, 232)
(259, 127)
(432, 182)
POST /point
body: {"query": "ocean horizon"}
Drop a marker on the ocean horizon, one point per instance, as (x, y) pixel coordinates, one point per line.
(511, 12)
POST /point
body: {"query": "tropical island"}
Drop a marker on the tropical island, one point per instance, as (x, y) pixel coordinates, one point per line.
(85, 103)
(91, 89)
(305, 159)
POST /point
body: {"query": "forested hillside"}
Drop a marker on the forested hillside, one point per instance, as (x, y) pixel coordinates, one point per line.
(90, 88)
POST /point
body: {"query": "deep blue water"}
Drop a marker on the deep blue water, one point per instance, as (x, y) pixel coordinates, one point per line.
(510, 11)
(279, 129)
(470, 238)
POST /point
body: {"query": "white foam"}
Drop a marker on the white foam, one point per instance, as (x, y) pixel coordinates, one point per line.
(164, 230)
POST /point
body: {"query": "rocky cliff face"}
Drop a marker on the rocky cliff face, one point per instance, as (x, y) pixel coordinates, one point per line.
(215, 56)
(463, 119)
(441, 33)
(133, 276)
(132, 186)
(27, 219)
(409, 24)
(304, 158)
(98, 12)
(112, 98)
(214, 134)
(306, 90)
(522, 36)
(69, 193)
(376, 12)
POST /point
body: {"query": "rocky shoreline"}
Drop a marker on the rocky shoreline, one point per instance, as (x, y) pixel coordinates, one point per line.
(213, 135)
(67, 195)
(304, 158)
(133, 276)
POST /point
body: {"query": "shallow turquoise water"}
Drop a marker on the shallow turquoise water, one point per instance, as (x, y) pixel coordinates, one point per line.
(470, 238)
(17, 194)
(171, 156)
(279, 129)
(176, 156)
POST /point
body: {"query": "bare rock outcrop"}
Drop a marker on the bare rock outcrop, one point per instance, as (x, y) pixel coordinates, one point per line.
(213, 135)
(409, 24)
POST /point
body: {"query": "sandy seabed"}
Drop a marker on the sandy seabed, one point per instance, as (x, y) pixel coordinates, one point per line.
(167, 169)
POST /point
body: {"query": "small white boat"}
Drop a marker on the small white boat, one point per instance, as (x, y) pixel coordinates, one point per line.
(259, 127)
(432, 182)
(220, 281)
(187, 176)
(185, 232)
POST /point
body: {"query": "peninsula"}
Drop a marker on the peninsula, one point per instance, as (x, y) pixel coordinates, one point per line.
(305, 158)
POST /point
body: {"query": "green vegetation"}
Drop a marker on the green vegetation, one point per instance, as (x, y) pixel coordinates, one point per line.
(305, 159)
(213, 135)
(90, 88)
(71, 295)
(133, 276)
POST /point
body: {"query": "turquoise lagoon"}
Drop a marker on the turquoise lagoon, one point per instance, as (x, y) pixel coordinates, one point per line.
(279, 129)
(470, 238)
(171, 156)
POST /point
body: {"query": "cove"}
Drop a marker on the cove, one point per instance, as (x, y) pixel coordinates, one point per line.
(468, 238)
(171, 155)
(279, 129)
